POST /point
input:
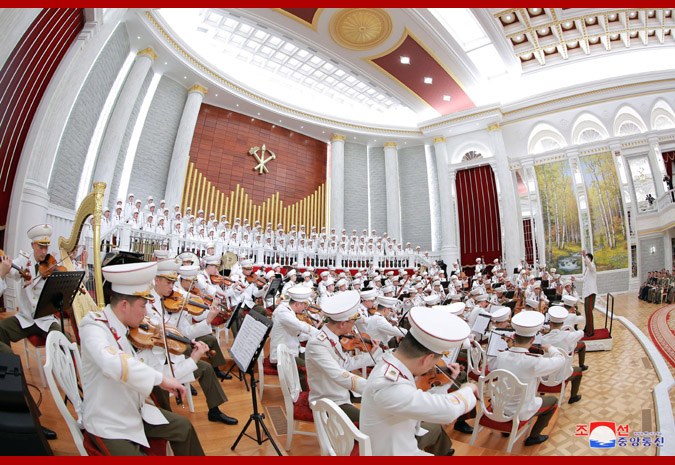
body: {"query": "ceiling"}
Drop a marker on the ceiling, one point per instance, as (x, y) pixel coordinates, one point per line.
(391, 71)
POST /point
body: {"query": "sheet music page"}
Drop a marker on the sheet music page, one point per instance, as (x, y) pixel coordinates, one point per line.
(481, 323)
(497, 343)
(250, 335)
(452, 357)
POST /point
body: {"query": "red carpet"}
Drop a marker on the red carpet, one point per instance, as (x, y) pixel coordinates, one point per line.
(662, 330)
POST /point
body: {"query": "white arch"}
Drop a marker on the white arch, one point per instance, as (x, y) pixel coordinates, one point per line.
(543, 138)
(662, 116)
(624, 117)
(587, 122)
(468, 147)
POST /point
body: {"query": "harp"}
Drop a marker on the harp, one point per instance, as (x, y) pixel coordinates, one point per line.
(92, 300)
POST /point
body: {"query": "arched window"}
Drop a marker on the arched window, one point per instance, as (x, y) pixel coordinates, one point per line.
(628, 122)
(587, 129)
(544, 138)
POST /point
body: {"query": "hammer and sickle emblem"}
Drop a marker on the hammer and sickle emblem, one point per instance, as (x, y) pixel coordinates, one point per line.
(261, 158)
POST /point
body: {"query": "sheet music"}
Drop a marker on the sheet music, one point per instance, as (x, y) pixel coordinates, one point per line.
(452, 357)
(249, 338)
(496, 343)
(481, 323)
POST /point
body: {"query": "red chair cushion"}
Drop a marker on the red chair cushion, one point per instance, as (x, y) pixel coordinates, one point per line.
(301, 409)
(268, 369)
(355, 450)
(550, 389)
(504, 426)
(37, 341)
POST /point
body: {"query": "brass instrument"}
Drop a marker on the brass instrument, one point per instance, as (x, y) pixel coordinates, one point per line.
(92, 204)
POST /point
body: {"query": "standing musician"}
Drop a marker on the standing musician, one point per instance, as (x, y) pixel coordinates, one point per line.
(22, 325)
(328, 366)
(401, 419)
(186, 369)
(116, 383)
(186, 287)
(590, 290)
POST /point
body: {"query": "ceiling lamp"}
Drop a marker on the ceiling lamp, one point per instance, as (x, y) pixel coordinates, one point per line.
(428, 80)
(405, 60)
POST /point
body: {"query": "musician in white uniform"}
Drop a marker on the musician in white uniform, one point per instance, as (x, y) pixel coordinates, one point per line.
(328, 366)
(116, 383)
(401, 419)
(379, 326)
(528, 367)
(287, 329)
(575, 321)
(590, 290)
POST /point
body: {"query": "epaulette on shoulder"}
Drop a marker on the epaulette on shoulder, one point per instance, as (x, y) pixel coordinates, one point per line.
(392, 373)
(98, 316)
(321, 336)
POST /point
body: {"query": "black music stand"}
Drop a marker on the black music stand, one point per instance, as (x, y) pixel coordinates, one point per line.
(240, 376)
(273, 290)
(58, 293)
(246, 365)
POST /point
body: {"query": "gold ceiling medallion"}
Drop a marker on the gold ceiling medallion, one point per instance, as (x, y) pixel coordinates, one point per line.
(360, 28)
(262, 161)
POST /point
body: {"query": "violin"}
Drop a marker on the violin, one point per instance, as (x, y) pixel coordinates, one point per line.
(48, 266)
(194, 306)
(439, 375)
(225, 312)
(220, 280)
(25, 274)
(147, 336)
(364, 343)
(313, 308)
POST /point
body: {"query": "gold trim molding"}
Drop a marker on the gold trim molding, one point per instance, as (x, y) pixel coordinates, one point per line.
(338, 137)
(149, 52)
(389, 144)
(198, 88)
(360, 28)
(438, 140)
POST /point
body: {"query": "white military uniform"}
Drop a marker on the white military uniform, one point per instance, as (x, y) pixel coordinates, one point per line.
(115, 410)
(329, 367)
(286, 329)
(392, 408)
(565, 340)
(379, 328)
(30, 295)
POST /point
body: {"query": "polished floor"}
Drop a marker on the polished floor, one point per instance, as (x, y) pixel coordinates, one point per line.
(616, 388)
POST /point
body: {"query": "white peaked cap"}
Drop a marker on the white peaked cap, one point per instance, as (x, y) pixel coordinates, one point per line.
(369, 294)
(557, 314)
(439, 332)
(500, 314)
(132, 278)
(299, 293)
(569, 300)
(343, 306)
(527, 323)
(386, 302)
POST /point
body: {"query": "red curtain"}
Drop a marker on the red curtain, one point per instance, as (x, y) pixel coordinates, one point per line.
(479, 227)
(527, 231)
(23, 81)
(668, 158)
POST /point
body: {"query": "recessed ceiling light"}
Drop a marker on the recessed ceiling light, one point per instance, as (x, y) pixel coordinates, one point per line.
(280, 121)
(216, 95)
(508, 18)
(323, 132)
(273, 126)
(612, 17)
(184, 77)
(301, 127)
(237, 104)
(405, 60)
(633, 14)
(543, 30)
(139, 37)
(568, 24)
(165, 63)
(428, 80)
(258, 114)
(519, 38)
(446, 98)
(252, 119)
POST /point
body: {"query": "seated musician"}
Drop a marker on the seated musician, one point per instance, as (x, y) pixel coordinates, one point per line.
(368, 299)
(379, 326)
(328, 366)
(116, 383)
(528, 367)
(186, 369)
(392, 407)
(576, 320)
(22, 325)
(186, 286)
(565, 341)
(499, 320)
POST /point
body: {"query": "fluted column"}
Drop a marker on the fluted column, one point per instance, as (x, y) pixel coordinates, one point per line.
(337, 182)
(510, 199)
(119, 120)
(181, 147)
(392, 188)
(449, 249)
(655, 163)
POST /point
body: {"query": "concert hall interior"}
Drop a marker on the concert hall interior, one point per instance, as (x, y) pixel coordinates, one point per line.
(484, 188)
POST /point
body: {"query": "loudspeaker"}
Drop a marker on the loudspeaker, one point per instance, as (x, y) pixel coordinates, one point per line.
(20, 429)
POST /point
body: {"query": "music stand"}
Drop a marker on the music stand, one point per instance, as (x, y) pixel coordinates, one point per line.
(245, 351)
(240, 376)
(272, 291)
(58, 293)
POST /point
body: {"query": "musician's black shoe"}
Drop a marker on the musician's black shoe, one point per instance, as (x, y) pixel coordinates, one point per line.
(193, 391)
(584, 367)
(217, 415)
(536, 440)
(505, 435)
(49, 434)
(222, 375)
(450, 453)
(463, 427)
(574, 399)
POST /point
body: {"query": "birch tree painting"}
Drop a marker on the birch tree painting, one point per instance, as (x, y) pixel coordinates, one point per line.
(605, 205)
(560, 217)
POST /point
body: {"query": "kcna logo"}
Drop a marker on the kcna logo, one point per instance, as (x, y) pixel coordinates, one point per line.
(602, 434)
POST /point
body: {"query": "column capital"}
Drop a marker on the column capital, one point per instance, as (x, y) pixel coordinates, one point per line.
(198, 88)
(438, 140)
(335, 137)
(389, 144)
(149, 52)
(494, 127)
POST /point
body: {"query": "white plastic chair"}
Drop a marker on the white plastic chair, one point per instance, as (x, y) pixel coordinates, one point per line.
(476, 359)
(502, 388)
(222, 329)
(261, 375)
(32, 346)
(59, 367)
(337, 433)
(295, 400)
(557, 382)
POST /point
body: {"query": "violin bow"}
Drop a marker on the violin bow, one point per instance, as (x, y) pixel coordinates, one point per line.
(358, 333)
(179, 400)
(37, 280)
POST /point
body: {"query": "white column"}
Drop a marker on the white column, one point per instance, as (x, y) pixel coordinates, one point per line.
(455, 249)
(181, 147)
(449, 249)
(393, 190)
(657, 165)
(119, 120)
(511, 250)
(337, 182)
